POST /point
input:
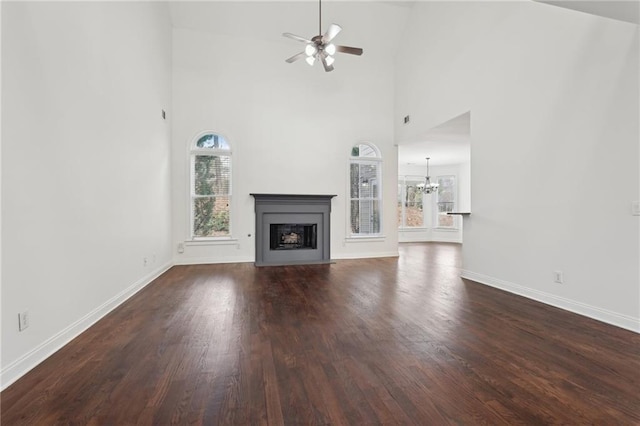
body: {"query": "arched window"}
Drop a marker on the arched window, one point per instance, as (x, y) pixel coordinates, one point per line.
(365, 190)
(210, 187)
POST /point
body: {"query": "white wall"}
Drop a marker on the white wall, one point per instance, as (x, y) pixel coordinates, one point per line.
(291, 128)
(85, 166)
(553, 96)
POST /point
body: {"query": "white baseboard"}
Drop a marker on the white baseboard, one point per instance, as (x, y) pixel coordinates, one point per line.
(438, 239)
(437, 236)
(619, 320)
(211, 260)
(417, 238)
(31, 359)
(365, 255)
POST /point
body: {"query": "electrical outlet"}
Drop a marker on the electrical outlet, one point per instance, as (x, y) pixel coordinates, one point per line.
(635, 208)
(23, 320)
(145, 261)
(180, 247)
(558, 277)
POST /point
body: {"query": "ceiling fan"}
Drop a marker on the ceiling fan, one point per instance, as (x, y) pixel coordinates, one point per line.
(320, 46)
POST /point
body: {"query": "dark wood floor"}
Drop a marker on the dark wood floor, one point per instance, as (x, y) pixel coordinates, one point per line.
(376, 341)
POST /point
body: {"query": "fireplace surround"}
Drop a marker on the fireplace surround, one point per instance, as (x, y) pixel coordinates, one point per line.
(292, 229)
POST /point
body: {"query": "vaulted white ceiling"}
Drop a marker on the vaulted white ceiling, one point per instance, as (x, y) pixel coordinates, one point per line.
(363, 22)
(383, 20)
(625, 10)
(367, 24)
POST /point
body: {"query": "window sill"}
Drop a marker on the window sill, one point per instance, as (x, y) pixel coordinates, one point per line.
(413, 229)
(365, 239)
(222, 241)
(446, 229)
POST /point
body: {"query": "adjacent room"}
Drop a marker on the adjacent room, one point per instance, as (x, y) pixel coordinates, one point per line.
(320, 212)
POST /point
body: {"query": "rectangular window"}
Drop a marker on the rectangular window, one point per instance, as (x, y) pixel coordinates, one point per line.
(410, 204)
(445, 202)
(365, 197)
(211, 195)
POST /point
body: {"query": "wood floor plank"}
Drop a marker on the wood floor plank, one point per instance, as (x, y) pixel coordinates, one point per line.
(371, 341)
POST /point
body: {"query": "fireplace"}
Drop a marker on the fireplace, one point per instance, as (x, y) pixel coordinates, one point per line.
(292, 229)
(293, 236)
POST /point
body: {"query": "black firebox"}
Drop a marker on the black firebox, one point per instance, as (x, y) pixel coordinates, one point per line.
(293, 236)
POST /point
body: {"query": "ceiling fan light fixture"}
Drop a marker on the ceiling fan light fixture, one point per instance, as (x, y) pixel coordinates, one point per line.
(310, 60)
(330, 59)
(310, 50)
(330, 49)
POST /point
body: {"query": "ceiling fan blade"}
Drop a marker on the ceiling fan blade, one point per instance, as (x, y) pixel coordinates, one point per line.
(295, 57)
(332, 31)
(326, 66)
(295, 37)
(349, 50)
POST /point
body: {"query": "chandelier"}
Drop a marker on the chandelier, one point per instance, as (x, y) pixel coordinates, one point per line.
(427, 187)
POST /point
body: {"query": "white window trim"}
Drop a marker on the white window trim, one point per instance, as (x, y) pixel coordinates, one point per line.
(192, 151)
(212, 241)
(351, 237)
(359, 239)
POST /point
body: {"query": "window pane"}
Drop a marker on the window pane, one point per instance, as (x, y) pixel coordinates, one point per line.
(365, 216)
(414, 215)
(212, 175)
(363, 150)
(368, 180)
(364, 180)
(446, 201)
(446, 188)
(444, 195)
(414, 194)
(412, 201)
(445, 220)
(355, 179)
(376, 217)
(355, 216)
(211, 216)
(212, 141)
(445, 207)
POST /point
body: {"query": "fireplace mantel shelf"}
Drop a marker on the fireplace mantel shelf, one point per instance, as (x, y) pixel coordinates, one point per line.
(291, 196)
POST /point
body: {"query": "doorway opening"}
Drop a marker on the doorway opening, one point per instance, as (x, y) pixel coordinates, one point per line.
(423, 215)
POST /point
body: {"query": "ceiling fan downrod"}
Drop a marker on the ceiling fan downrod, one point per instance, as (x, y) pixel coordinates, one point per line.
(319, 16)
